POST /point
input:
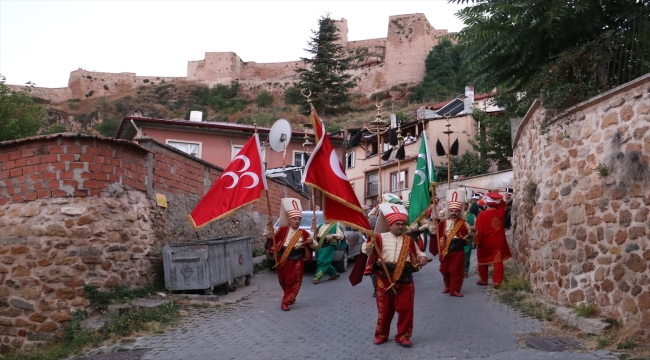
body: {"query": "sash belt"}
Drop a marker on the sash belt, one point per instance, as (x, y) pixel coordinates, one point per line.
(407, 273)
(294, 254)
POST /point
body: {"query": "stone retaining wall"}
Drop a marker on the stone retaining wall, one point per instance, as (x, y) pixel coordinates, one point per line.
(581, 235)
(77, 209)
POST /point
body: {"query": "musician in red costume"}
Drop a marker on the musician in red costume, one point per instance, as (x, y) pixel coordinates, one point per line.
(402, 257)
(490, 240)
(448, 242)
(293, 246)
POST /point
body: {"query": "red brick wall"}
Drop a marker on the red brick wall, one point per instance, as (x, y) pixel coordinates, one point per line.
(63, 165)
(67, 165)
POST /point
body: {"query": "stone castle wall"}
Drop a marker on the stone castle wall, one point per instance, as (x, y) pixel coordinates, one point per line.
(583, 236)
(78, 210)
(410, 39)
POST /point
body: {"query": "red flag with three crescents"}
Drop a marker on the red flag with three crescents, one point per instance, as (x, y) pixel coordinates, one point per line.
(240, 184)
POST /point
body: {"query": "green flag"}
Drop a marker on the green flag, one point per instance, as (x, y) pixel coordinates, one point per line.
(424, 174)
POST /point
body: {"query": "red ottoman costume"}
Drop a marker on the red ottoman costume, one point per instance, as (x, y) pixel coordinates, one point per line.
(293, 247)
(451, 237)
(492, 247)
(400, 254)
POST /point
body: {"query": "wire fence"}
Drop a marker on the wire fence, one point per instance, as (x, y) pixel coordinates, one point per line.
(629, 50)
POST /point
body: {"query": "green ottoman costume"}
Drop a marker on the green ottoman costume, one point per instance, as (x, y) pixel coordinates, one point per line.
(326, 249)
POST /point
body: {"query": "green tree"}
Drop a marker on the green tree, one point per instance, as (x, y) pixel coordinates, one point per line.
(494, 142)
(19, 116)
(324, 76)
(222, 98)
(445, 77)
(292, 96)
(108, 127)
(264, 99)
(549, 48)
(468, 164)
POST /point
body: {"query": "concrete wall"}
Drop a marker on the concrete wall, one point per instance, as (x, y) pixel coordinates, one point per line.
(78, 210)
(580, 236)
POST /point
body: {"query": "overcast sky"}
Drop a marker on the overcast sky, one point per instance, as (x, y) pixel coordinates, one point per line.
(43, 41)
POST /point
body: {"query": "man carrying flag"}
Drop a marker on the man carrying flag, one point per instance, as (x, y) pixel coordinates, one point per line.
(292, 246)
(402, 258)
(240, 184)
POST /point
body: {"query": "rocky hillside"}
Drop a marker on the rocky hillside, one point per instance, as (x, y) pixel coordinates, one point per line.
(175, 100)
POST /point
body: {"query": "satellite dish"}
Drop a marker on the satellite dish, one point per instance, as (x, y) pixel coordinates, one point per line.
(280, 135)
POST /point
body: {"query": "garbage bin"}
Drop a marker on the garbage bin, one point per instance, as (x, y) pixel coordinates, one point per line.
(203, 265)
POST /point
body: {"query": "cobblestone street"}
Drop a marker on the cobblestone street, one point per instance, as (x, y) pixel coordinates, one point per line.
(334, 320)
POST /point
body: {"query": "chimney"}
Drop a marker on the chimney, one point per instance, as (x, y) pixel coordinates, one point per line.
(196, 116)
(469, 99)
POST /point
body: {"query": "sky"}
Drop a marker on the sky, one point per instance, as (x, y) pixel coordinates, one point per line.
(43, 41)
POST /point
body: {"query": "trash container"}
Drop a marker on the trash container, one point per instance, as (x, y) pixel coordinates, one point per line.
(203, 265)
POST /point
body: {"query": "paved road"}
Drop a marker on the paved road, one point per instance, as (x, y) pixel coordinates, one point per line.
(334, 320)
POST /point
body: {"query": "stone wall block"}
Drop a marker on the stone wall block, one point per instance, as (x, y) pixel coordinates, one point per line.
(21, 304)
(20, 271)
(636, 263)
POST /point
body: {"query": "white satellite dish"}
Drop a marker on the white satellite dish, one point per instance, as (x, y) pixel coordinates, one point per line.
(280, 135)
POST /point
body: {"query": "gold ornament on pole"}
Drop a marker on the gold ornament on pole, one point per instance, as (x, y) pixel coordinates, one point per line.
(378, 127)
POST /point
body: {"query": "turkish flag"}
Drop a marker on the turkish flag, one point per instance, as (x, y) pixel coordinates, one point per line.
(324, 171)
(240, 184)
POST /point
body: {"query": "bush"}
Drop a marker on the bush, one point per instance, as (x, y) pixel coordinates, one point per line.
(105, 87)
(90, 93)
(403, 116)
(584, 310)
(145, 81)
(108, 127)
(264, 99)
(379, 96)
(74, 100)
(292, 96)
(56, 129)
(330, 128)
(260, 118)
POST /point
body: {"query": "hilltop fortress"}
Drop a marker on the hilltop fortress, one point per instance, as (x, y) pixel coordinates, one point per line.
(375, 64)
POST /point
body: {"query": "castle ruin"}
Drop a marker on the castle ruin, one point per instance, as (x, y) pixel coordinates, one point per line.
(375, 64)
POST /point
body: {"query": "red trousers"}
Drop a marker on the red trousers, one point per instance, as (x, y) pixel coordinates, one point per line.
(388, 303)
(452, 268)
(497, 274)
(290, 278)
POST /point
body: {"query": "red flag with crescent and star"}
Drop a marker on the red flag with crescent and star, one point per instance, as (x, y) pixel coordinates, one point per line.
(324, 171)
(240, 184)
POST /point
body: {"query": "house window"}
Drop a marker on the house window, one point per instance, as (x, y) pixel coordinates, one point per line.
(398, 181)
(299, 158)
(189, 147)
(372, 184)
(235, 150)
(349, 160)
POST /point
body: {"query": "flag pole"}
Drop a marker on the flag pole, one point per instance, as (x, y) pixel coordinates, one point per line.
(435, 209)
(378, 126)
(270, 224)
(268, 206)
